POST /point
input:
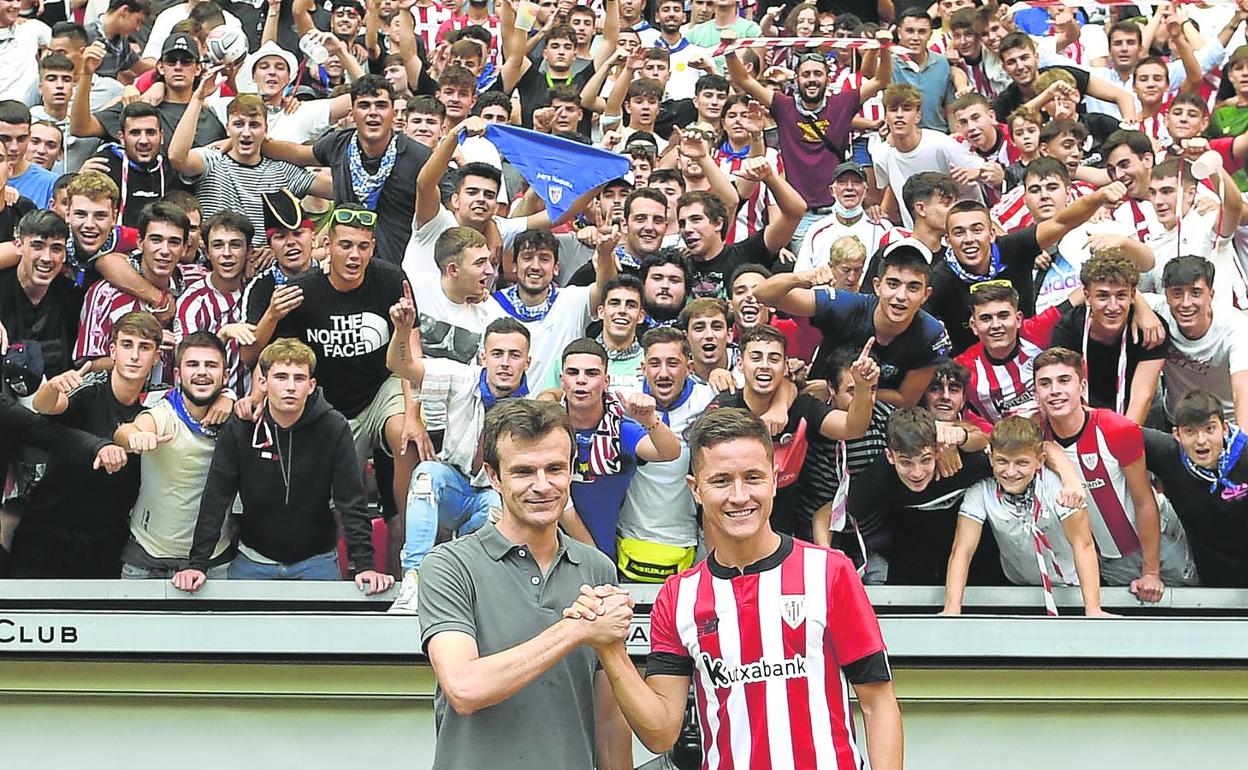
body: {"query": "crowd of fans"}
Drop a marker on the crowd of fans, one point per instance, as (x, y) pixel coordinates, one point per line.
(972, 264)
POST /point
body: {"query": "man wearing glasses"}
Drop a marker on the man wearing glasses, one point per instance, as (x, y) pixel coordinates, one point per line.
(345, 318)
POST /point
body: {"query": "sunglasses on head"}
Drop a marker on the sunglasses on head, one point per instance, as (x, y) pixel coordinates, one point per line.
(362, 217)
(812, 57)
(1001, 282)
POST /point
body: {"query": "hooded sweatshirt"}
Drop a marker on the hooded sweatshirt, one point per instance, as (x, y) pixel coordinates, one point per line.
(286, 479)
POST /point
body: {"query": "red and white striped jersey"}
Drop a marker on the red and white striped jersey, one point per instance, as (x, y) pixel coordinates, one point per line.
(1011, 211)
(752, 213)
(769, 649)
(844, 79)
(1108, 443)
(205, 308)
(493, 25)
(1000, 389)
(428, 19)
(1155, 127)
(1139, 217)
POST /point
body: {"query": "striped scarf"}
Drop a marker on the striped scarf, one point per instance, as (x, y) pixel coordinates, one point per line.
(366, 186)
(1027, 508)
(604, 447)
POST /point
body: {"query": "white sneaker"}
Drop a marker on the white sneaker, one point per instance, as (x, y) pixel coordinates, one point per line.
(406, 603)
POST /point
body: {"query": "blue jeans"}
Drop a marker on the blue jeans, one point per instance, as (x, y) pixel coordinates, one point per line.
(441, 496)
(323, 566)
(132, 572)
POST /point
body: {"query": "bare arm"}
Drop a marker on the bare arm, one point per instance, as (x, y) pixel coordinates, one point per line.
(301, 11)
(591, 93)
(81, 121)
(792, 293)
(117, 270)
(572, 524)
(612, 738)
(742, 79)
(610, 33)
(1048, 233)
(515, 63)
(298, 154)
(271, 16)
(882, 718)
(428, 194)
(1079, 534)
(1147, 521)
(791, 206)
(883, 74)
(1143, 386)
(1107, 91)
(1232, 203)
(654, 707)
(965, 542)
(1239, 388)
(181, 154)
(912, 388)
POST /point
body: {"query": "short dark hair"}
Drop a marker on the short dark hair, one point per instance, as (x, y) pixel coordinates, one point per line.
(42, 223)
(914, 12)
(200, 339)
(426, 105)
(14, 112)
(990, 291)
(562, 32)
(1195, 407)
(452, 243)
(1136, 141)
(563, 92)
(721, 425)
(72, 30)
(1057, 357)
(648, 193)
(536, 240)
(524, 419)
(765, 333)
(747, 269)
(667, 256)
(55, 62)
(1180, 271)
(583, 346)
(968, 206)
(1055, 128)
(1046, 167)
(665, 334)
(712, 206)
(458, 77)
(160, 211)
(138, 109)
(505, 325)
(1189, 100)
(1127, 27)
(926, 185)
(910, 430)
(371, 85)
(667, 175)
(230, 220)
(838, 364)
(952, 371)
(1016, 40)
(624, 281)
(478, 169)
(134, 6)
(487, 99)
(711, 82)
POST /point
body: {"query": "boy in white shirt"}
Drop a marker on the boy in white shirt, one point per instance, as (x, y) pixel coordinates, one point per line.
(1042, 542)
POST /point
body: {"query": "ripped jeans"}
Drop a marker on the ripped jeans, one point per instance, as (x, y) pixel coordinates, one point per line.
(441, 496)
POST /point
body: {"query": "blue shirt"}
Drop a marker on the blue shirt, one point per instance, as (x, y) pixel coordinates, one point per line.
(35, 183)
(934, 82)
(847, 320)
(598, 498)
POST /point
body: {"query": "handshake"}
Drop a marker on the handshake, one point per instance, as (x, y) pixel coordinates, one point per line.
(603, 615)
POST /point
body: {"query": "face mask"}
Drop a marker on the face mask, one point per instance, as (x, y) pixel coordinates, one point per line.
(845, 213)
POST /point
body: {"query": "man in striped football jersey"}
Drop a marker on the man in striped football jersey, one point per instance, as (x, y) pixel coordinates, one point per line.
(774, 631)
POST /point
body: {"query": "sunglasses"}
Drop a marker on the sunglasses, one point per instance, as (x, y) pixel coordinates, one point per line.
(1001, 282)
(363, 217)
(812, 57)
(180, 58)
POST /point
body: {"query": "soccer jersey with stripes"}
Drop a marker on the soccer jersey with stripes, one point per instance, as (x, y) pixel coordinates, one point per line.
(1003, 388)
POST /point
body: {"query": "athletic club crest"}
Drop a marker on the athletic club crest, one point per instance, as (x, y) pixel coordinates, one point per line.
(793, 610)
(1090, 460)
(555, 192)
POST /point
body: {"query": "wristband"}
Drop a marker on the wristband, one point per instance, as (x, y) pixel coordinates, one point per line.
(966, 436)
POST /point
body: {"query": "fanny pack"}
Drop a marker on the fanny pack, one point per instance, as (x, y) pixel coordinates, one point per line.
(646, 562)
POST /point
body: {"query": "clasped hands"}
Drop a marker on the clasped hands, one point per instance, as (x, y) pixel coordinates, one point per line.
(604, 614)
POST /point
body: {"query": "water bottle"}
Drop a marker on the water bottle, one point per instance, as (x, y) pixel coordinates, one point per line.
(313, 48)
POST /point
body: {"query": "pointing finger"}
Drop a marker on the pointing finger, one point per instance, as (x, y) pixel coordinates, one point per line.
(866, 349)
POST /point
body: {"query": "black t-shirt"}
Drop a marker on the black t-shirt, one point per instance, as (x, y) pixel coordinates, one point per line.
(710, 277)
(53, 323)
(76, 497)
(951, 294)
(1216, 527)
(142, 185)
(207, 130)
(1102, 360)
(397, 202)
(920, 525)
(534, 85)
(348, 332)
(1011, 98)
(673, 113)
(812, 411)
(11, 215)
(847, 320)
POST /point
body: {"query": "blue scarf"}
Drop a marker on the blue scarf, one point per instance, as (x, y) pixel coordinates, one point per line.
(489, 74)
(682, 45)
(509, 299)
(995, 268)
(78, 269)
(175, 399)
(366, 186)
(678, 403)
(626, 260)
(1234, 446)
(489, 399)
(280, 279)
(726, 151)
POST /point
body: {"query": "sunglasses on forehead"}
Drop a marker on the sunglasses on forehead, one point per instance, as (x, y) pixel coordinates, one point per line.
(812, 57)
(999, 282)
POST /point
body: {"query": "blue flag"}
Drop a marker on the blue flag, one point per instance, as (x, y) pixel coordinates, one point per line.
(558, 170)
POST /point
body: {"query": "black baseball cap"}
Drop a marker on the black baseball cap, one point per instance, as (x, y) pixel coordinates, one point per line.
(180, 41)
(851, 167)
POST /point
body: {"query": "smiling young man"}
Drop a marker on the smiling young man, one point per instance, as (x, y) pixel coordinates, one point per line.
(806, 598)
(235, 179)
(31, 180)
(1205, 471)
(272, 68)
(175, 443)
(909, 343)
(139, 160)
(75, 522)
(1122, 372)
(1209, 343)
(270, 295)
(286, 467)
(1138, 540)
(37, 302)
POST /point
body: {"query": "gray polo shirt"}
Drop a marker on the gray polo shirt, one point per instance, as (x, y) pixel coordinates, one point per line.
(487, 587)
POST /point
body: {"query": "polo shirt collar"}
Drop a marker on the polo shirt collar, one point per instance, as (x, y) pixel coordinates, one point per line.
(762, 565)
(497, 545)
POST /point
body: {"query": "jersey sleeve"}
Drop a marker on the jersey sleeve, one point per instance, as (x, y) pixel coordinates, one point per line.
(1039, 328)
(1124, 438)
(667, 654)
(853, 631)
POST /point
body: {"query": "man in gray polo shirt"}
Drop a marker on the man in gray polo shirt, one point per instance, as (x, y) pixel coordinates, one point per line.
(521, 682)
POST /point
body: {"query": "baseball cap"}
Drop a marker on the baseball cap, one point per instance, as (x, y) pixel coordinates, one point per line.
(23, 367)
(851, 167)
(356, 5)
(180, 41)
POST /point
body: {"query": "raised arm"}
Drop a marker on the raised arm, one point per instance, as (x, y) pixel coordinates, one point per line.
(794, 293)
(1106, 91)
(271, 16)
(428, 193)
(789, 203)
(854, 422)
(298, 154)
(81, 121)
(1048, 233)
(182, 154)
(743, 80)
(610, 33)
(883, 74)
(659, 444)
(399, 354)
(694, 145)
(301, 12)
(515, 63)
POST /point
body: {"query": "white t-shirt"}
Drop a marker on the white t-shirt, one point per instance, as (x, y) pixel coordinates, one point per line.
(1013, 536)
(1062, 277)
(1206, 363)
(448, 330)
(658, 507)
(827, 231)
(169, 18)
(19, 58)
(935, 152)
(569, 315)
(1196, 234)
(681, 83)
(418, 257)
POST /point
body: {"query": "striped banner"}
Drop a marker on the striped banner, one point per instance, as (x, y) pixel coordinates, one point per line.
(837, 43)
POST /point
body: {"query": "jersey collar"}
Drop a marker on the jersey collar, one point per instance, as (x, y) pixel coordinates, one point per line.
(762, 565)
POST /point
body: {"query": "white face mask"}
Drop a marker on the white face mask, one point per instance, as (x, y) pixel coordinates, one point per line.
(845, 213)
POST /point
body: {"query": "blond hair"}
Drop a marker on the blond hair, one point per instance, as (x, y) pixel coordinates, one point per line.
(287, 350)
